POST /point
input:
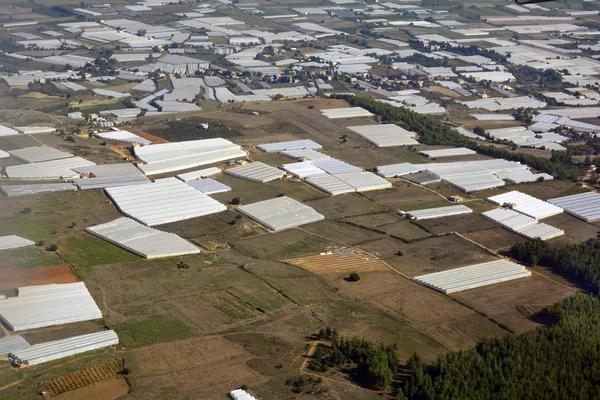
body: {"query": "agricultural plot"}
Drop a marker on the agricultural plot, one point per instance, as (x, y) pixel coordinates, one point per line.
(339, 260)
(437, 254)
(514, 303)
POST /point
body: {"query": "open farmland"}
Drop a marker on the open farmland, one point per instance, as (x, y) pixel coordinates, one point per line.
(318, 118)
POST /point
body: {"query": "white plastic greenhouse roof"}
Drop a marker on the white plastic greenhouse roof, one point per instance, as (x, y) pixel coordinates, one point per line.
(256, 172)
(526, 204)
(110, 175)
(459, 151)
(302, 169)
(39, 154)
(167, 157)
(12, 343)
(47, 305)
(6, 131)
(329, 184)
(209, 186)
(585, 206)
(473, 276)
(291, 145)
(474, 182)
(523, 176)
(281, 213)
(346, 112)
(165, 200)
(307, 154)
(13, 242)
(393, 170)
(452, 168)
(142, 240)
(54, 169)
(201, 173)
(522, 224)
(239, 394)
(23, 190)
(385, 135)
(335, 166)
(363, 181)
(439, 212)
(123, 136)
(57, 349)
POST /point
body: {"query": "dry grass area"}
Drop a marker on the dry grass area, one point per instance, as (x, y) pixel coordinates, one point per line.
(339, 260)
(508, 302)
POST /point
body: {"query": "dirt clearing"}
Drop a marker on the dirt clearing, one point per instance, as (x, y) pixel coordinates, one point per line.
(12, 278)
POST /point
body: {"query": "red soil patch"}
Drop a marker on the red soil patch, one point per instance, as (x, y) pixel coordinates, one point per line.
(146, 135)
(11, 278)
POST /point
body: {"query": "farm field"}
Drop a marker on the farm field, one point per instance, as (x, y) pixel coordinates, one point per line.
(245, 309)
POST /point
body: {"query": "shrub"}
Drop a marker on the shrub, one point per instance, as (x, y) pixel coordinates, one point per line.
(26, 210)
(40, 243)
(354, 277)
(235, 201)
(53, 247)
(182, 265)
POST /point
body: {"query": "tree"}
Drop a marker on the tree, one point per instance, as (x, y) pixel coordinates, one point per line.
(141, 32)
(377, 372)
(354, 277)
(236, 201)
(479, 130)
(53, 247)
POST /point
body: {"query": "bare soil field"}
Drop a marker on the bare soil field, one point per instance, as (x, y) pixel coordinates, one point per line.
(432, 313)
(495, 238)
(576, 230)
(406, 196)
(347, 205)
(11, 278)
(145, 135)
(509, 302)
(460, 223)
(438, 254)
(342, 233)
(384, 248)
(110, 389)
(404, 230)
(374, 220)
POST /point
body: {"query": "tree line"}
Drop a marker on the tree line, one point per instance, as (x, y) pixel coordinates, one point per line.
(580, 262)
(432, 131)
(555, 362)
(373, 366)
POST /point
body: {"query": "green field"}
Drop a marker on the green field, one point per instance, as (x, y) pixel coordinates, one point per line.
(85, 250)
(152, 330)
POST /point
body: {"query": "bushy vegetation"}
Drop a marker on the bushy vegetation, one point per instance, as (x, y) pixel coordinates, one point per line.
(577, 261)
(433, 132)
(556, 362)
(370, 365)
(191, 129)
(425, 61)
